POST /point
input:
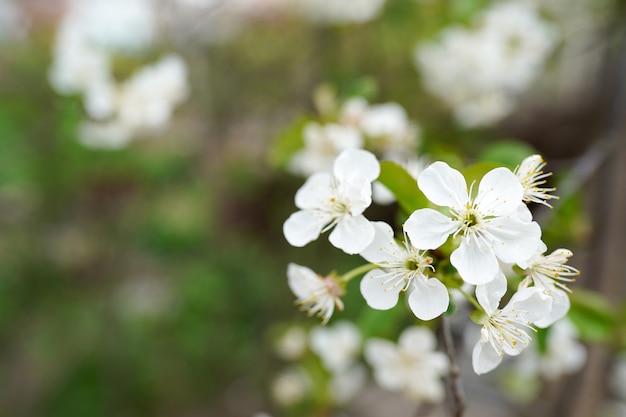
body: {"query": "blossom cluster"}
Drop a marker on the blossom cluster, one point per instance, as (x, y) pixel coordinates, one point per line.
(482, 231)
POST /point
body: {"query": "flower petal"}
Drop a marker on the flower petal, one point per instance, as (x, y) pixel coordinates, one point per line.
(303, 227)
(443, 185)
(535, 301)
(376, 294)
(560, 307)
(429, 298)
(524, 214)
(356, 163)
(417, 339)
(476, 264)
(352, 234)
(428, 229)
(499, 193)
(484, 358)
(316, 191)
(303, 281)
(514, 241)
(384, 247)
(490, 294)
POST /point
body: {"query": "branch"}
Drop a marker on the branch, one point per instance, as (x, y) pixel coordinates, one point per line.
(454, 379)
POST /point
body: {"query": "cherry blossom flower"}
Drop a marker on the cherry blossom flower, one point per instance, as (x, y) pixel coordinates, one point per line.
(505, 331)
(532, 178)
(402, 268)
(337, 346)
(336, 201)
(488, 224)
(550, 272)
(412, 366)
(316, 294)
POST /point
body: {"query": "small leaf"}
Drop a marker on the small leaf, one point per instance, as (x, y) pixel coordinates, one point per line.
(509, 153)
(403, 186)
(592, 315)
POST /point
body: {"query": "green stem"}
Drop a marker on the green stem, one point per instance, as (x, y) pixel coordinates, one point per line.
(357, 271)
(471, 300)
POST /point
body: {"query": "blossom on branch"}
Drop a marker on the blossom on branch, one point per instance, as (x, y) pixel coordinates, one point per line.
(316, 294)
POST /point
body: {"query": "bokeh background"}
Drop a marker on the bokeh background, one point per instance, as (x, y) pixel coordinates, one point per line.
(143, 273)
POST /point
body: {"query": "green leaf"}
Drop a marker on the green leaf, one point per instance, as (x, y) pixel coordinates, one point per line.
(509, 153)
(403, 186)
(287, 143)
(476, 171)
(592, 315)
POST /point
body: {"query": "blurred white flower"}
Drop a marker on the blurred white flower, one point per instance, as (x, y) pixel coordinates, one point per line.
(412, 366)
(479, 72)
(549, 272)
(532, 178)
(336, 200)
(13, 21)
(402, 268)
(564, 354)
(322, 144)
(487, 224)
(292, 344)
(337, 345)
(315, 294)
(504, 331)
(344, 385)
(291, 386)
(107, 135)
(344, 11)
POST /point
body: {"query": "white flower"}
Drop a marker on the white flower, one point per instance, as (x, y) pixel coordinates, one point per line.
(549, 272)
(345, 11)
(315, 294)
(292, 344)
(337, 346)
(488, 224)
(344, 385)
(322, 144)
(402, 268)
(336, 200)
(564, 353)
(291, 386)
(504, 331)
(532, 178)
(412, 366)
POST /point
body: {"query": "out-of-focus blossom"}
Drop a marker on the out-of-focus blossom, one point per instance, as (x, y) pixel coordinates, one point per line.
(292, 344)
(412, 366)
(337, 346)
(564, 354)
(479, 72)
(13, 22)
(345, 11)
(291, 386)
(344, 385)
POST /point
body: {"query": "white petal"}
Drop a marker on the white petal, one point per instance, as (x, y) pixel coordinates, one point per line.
(356, 193)
(514, 241)
(376, 295)
(499, 193)
(524, 214)
(303, 281)
(303, 227)
(560, 307)
(358, 163)
(384, 247)
(352, 234)
(443, 185)
(485, 358)
(476, 264)
(384, 358)
(534, 300)
(428, 298)
(381, 194)
(428, 229)
(417, 339)
(315, 192)
(490, 294)
(379, 351)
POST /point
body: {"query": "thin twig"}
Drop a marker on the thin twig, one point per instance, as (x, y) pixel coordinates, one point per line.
(454, 379)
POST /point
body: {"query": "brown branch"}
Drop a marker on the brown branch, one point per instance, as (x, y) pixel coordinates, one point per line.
(454, 379)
